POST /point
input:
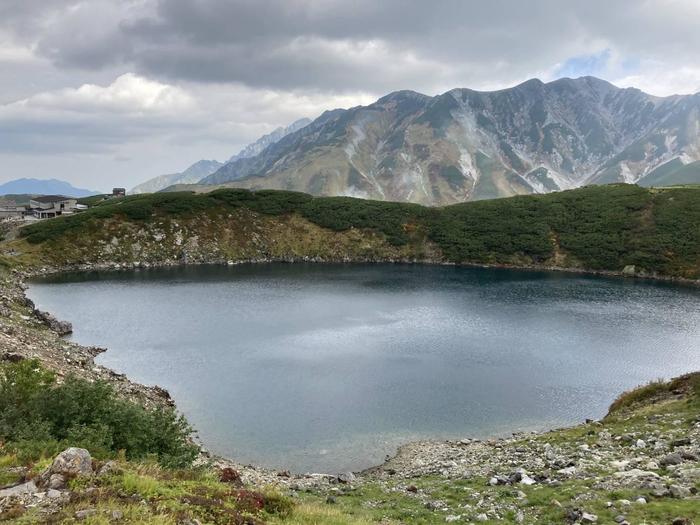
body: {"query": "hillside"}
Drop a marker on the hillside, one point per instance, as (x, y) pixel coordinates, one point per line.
(470, 145)
(612, 228)
(673, 173)
(43, 187)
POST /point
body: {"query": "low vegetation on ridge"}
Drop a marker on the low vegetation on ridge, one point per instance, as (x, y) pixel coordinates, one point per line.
(656, 231)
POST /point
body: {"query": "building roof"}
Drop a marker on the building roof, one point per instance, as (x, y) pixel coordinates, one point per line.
(51, 198)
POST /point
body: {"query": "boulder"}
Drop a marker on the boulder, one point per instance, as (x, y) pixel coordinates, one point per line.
(60, 327)
(636, 473)
(19, 490)
(629, 270)
(677, 491)
(346, 477)
(71, 463)
(671, 459)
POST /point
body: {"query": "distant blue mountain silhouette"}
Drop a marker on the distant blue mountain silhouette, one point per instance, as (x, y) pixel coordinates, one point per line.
(43, 187)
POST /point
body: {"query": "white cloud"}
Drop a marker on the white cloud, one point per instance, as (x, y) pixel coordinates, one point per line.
(151, 126)
(128, 94)
(655, 78)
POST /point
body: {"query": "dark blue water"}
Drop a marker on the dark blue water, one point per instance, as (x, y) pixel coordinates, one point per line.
(330, 367)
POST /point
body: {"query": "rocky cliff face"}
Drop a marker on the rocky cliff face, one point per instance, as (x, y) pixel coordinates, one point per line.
(255, 148)
(468, 145)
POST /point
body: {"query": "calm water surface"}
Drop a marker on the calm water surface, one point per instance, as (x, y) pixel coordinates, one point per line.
(330, 367)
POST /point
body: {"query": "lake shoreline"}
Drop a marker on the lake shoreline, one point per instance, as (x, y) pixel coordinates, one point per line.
(150, 393)
(116, 266)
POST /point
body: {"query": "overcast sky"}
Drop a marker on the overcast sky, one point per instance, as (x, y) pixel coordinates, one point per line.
(106, 93)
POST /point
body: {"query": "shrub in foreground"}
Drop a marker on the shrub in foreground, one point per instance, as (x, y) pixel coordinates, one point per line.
(40, 417)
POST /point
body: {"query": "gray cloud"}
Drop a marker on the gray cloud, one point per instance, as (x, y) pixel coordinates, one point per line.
(161, 83)
(369, 45)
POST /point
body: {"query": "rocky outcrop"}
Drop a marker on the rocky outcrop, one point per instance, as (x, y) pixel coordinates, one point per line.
(49, 492)
(24, 335)
(60, 327)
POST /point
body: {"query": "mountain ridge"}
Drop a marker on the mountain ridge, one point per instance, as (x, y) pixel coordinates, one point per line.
(203, 168)
(31, 186)
(465, 144)
(194, 173)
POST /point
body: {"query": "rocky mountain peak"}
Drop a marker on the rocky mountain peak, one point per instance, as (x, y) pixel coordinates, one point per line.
(464, 144)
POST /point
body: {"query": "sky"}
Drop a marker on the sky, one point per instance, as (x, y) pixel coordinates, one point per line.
(105, 93)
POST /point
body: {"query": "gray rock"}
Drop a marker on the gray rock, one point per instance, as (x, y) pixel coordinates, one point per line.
(678, 491)
(60, 327)
(57, 481)
(72, 462)
(346, 477)
(85, 513)
(117, 514)
(19, 490)
(671, 459)
(110, 467)
(587, 517)
(53, 493)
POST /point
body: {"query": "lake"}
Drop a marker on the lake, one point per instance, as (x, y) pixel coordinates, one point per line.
(328, 368)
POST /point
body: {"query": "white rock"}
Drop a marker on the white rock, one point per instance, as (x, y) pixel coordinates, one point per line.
(527, 480)
(636, 473)
(588, 518)
(640, 501)
(640, 443)
(620, 464)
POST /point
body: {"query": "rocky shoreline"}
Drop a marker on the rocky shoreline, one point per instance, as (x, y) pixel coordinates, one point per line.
(656, 458)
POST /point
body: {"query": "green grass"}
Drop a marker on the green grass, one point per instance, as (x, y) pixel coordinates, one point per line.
(145, 492)
(658, 390)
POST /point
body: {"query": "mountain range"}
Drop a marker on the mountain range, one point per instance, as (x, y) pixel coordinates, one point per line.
(468, 145)
(202, 168)
(191, 175)
(43, 187)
